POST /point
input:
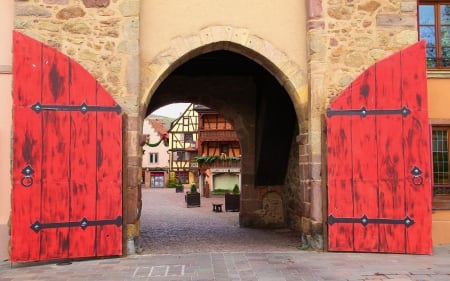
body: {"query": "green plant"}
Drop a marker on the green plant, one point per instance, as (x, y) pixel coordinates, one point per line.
(193, 188)
(236, 189)
(172, 183)
(212, 158)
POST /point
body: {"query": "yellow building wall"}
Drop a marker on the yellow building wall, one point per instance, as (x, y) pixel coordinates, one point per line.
(172, 19)
(6, 25)
(439, 100)
(439, 113)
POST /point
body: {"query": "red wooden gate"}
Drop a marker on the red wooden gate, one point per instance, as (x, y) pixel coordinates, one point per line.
(67, 159)
(379, 185)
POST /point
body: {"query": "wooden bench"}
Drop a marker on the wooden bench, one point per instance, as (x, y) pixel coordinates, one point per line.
(217, 207)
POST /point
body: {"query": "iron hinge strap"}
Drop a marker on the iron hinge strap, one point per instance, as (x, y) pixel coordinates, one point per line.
(84, 223)
(364, 220)
(83, 108)
(363, 112)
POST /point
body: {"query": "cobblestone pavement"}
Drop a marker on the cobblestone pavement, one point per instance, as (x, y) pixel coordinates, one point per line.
(196, 244)
(169, 227)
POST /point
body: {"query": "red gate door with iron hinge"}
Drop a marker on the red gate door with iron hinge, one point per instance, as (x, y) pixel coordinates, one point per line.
(67, 159)
(379, 164)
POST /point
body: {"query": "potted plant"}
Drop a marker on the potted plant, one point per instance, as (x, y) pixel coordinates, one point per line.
(193, 197)
(233, 200)
(179, 187)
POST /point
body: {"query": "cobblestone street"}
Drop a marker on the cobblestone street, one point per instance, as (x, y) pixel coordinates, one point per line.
(197, 244)
(169, 227)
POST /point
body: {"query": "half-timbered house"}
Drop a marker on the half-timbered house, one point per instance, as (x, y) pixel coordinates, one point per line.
(183, 147)
(219, 151)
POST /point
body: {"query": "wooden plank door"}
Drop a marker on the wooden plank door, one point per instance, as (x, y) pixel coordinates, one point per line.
(67, 159)
(379, 168)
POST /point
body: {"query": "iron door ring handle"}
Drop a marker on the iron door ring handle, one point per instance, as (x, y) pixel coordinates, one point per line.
(417, 180)
(27, 181)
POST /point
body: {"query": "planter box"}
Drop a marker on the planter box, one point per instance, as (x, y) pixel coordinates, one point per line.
(192, 199)
(232, 202)
(179, 188)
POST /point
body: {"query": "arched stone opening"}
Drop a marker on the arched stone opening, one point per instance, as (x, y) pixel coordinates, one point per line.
(273, 80)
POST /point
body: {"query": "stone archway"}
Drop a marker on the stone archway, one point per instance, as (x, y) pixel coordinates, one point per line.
(286, 72)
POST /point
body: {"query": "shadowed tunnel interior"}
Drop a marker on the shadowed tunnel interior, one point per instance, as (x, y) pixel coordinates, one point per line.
(247, 95)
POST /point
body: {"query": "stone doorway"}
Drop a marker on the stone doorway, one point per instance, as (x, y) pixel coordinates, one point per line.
(263, 115)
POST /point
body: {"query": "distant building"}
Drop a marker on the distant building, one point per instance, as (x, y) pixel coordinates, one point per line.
(183, 147)
(155, 157)
(218, 149)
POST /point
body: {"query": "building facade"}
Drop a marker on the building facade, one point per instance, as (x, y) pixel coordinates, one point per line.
(155, 156)
(219, 152)
(273, 79)
(183, 147)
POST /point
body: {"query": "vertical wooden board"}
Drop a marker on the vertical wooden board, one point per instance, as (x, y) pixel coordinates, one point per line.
(56, 150)
(109, 176)
(414, 77)
(340, 189)
(364, 142)
(83, 172)
(417, 149)
(25, 203)
(390, 154)
(27, 67)
(340, 204)
(365, 204)
(364, 159)
(339, 140)
(418, 189)
(392, 205)
(54, 240)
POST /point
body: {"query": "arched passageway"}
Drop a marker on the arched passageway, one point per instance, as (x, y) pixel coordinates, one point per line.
(265, 120)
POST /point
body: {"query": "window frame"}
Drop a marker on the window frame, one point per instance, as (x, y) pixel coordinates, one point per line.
(440, 185)
(439, 59)
(153, 158)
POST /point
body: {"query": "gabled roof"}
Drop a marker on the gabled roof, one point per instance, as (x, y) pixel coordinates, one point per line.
(158, 125)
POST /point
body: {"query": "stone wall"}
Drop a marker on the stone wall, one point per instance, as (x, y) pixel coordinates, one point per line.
(102, 35)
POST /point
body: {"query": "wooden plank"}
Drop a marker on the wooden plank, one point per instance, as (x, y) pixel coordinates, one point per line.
(340, 204)
(340, 184)
(339, 139)
(56, 150)
(390, 155)
(27, 125)
(417, 150)
(364, 162)
(83, 183)
(109, 176)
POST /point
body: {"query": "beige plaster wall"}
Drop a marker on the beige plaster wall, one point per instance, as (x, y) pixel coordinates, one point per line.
(6, 24)
(284, 26)
(438, 100)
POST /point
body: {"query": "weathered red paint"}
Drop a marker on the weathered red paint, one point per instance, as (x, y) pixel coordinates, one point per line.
(76, 158)
(370, 159)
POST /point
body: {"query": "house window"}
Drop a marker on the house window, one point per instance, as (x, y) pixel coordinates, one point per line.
(153, 158)
(441, 179)
(224, 149)
(434, 27)
(183, 176)
(186, 121)
(188, 137)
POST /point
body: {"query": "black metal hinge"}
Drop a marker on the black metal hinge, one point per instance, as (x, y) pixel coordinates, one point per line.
(83, 108)
(84, 223)
(363, 112)
(364, 220)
